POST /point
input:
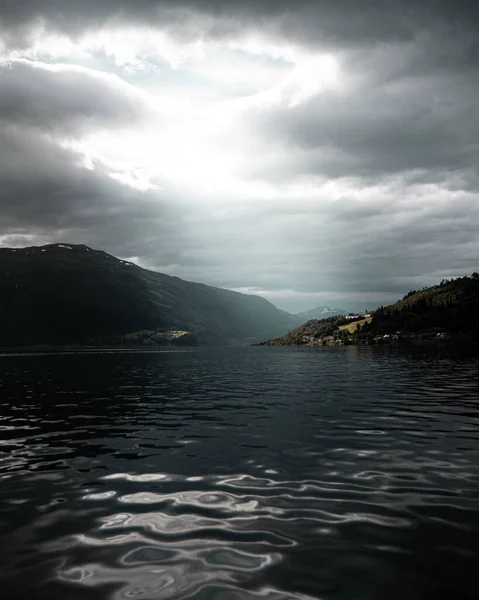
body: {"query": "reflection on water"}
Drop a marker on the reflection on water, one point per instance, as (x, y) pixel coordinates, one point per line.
(276, 473)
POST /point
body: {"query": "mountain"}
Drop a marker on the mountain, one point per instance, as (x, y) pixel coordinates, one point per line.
(450, 308)
(310, 333)
(65, 293)
(445, 311)
(319, 312)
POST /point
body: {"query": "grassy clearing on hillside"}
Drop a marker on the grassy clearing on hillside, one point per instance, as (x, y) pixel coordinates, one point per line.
(351, 327)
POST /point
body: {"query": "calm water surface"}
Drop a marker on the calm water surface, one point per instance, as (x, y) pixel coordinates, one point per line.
(275, 473)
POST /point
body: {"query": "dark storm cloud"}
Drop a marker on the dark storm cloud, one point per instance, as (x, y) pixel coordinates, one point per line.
(46, 197)
(330, 22)
(46, 193)
(42, 185)
(371, 127)
(66, 99)
(45, 189)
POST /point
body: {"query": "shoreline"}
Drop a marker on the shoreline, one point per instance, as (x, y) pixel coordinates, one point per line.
(424, 341)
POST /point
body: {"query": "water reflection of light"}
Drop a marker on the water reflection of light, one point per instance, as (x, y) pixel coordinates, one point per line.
(100, 495)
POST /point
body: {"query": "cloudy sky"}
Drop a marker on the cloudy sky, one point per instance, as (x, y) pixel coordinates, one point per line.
(314, 152)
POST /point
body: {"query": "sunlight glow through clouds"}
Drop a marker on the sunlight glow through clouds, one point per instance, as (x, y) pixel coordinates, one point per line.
(205, 141)
(46, 47)
(197, 144)
(139, 48)
(136, 180)
(127, 47)
(307, 78)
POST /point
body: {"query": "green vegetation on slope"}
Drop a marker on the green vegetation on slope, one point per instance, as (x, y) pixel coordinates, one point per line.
(311, 333)
(445, 311)
(353, 327)
(450, 307)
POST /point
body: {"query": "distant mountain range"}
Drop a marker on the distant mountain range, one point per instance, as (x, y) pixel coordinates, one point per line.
(71, 294)
(320, 312)
(447, 311)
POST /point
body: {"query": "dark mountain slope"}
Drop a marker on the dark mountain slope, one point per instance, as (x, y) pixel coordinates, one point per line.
(63, 293)
(311, 332)
(449, 310)
(451, 307)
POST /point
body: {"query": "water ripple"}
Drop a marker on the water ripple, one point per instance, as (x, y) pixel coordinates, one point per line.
(246, 473)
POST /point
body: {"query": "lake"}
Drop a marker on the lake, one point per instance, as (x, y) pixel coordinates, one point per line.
(240, 473)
